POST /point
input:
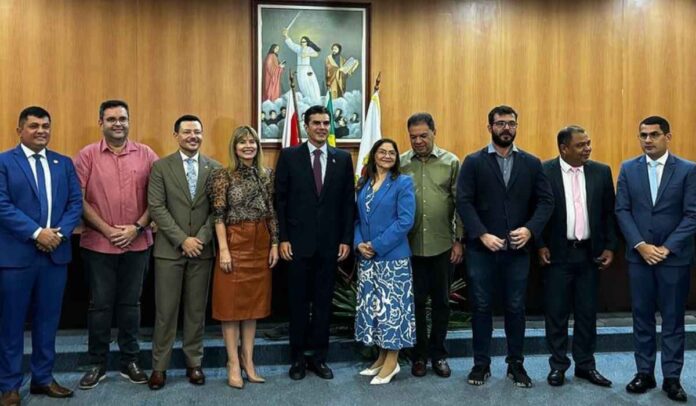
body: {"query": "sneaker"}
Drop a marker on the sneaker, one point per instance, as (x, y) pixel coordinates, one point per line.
(479, 374)
(92, 377)
(133, 373)
(518, 375)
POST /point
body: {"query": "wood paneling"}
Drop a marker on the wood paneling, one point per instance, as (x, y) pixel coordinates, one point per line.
(601, 64)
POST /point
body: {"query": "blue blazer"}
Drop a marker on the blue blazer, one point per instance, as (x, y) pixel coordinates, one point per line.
(391, 217)
(671, 221)
(20, 209)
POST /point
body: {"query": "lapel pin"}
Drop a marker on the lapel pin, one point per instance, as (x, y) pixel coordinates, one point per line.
(55, 161)
(333, 161)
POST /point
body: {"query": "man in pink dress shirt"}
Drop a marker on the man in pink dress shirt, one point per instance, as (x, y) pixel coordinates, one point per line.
(115, 243)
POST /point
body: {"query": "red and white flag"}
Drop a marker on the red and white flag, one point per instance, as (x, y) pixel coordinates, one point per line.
(290, 135)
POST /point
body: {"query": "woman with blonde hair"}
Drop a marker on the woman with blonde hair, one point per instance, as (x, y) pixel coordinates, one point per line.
(246, 227)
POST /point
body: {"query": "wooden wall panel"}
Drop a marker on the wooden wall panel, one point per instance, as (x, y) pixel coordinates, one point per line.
(601, 64)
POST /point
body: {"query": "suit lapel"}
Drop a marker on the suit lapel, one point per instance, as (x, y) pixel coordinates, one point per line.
(517, 161)
(644, 180)
(493, 162)
(330, 170)
(203, 171)
(557, 179)
(176, 165)
(53, 169)
(589, 186)
(306, 161)
(667, 173)
(23, 163)
(379, 194)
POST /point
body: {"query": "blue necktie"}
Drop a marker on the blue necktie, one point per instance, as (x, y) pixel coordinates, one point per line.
(652, 176)
(191, 176)
(41, 185)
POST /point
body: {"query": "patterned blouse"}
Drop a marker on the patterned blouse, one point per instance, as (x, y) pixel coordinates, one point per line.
(241, 196)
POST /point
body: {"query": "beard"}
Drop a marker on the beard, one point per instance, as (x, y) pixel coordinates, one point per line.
(499, 141)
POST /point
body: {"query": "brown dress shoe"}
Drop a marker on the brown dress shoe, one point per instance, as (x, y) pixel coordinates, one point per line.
(10, 398)
(418, 368)
(52, 390)
(195, 375)
(157, 380)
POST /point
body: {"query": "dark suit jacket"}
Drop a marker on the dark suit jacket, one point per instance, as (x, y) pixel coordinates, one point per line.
(20, 209)
(310, 222)
(486, 205)
(599, 191)
(176, 214)
(671, 221)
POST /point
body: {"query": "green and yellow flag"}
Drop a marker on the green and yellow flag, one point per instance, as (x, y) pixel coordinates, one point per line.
(332, 127)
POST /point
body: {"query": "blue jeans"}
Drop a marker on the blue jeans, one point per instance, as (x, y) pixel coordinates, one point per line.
(507, 270)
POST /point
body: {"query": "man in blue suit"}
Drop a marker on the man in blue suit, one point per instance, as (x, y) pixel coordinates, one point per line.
(40, 205)
(504, 200)
(656, 210)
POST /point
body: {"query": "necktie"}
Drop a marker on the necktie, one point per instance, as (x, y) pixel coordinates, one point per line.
(652, 175)
(316, 168)
(577, 204)
(191, 177)
(41, 186)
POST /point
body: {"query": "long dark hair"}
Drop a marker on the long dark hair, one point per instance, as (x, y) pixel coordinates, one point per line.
(370, 169)
(311, 44)
(270, 50)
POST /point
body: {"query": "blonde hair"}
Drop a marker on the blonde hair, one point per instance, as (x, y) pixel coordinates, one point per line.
(239, 134)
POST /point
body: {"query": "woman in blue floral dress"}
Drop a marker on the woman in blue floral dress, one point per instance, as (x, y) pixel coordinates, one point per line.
(386, 206)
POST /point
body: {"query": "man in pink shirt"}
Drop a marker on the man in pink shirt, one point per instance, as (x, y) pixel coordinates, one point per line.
(115, 243)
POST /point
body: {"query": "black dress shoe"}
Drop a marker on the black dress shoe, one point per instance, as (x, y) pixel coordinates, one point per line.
(134, 373)
(319, 368)
(641, 383)
(92, 377)
(593, 376)
(157, 380)
(297, 370)
(556, 377)
(419, 368)
(674, 389)
(195, 375)
(52, 390)
(442, 368)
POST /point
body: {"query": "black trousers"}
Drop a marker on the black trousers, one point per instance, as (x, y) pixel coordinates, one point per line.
(311, 287)
(572, 285)
(432, 277)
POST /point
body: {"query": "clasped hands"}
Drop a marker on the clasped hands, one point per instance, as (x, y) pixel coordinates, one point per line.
(653, 254)
(48, 239)
(122, 235)
(518, 239)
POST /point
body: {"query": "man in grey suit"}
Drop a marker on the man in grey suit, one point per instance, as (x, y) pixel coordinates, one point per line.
(183, 251)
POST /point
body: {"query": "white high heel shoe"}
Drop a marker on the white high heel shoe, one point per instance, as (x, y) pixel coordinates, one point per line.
(381, 381)
(370, 371)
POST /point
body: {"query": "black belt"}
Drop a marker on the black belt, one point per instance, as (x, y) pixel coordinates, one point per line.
(578, 243)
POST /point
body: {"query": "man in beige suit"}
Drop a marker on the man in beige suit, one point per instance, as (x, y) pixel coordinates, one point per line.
(183, 251)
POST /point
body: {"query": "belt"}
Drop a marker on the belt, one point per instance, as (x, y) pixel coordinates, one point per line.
(578, 243)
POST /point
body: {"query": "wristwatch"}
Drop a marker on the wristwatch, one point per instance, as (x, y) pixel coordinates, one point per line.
(138, 227)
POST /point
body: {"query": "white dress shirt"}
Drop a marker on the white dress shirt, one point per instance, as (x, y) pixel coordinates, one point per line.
(324, 150)
(47, 175)
(566, 171)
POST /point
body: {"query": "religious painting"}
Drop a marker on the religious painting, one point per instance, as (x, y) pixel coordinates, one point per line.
(325, 46)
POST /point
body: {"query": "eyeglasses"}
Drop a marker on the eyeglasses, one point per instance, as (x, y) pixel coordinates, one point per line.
(502, 124)
(383, 152)
(653, 135)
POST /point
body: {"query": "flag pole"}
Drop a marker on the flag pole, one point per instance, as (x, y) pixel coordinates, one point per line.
(294, 100)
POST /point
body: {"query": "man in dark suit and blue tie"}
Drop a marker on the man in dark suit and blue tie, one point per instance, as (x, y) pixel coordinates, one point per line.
(40, 205)
(578, 242)
(504, 200)
(315, 202)
(656, 210)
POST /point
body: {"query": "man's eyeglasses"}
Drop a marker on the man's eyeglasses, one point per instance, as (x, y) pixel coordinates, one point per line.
(502, 124)
(653, 135)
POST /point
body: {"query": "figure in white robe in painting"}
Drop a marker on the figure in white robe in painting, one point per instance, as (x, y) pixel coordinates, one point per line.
(306, 78)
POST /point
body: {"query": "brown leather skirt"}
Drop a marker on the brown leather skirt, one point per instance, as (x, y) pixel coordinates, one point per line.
(244, 293)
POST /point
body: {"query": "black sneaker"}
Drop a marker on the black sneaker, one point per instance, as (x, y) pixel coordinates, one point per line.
(92, 377)
(133, 373)
(479, 374)
(518, 375)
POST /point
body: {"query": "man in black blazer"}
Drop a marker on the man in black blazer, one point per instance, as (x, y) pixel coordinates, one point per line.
(504, 200)
(579, 241)
(315, 202)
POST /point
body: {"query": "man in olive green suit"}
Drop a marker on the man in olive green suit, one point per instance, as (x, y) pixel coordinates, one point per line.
(183, 251)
